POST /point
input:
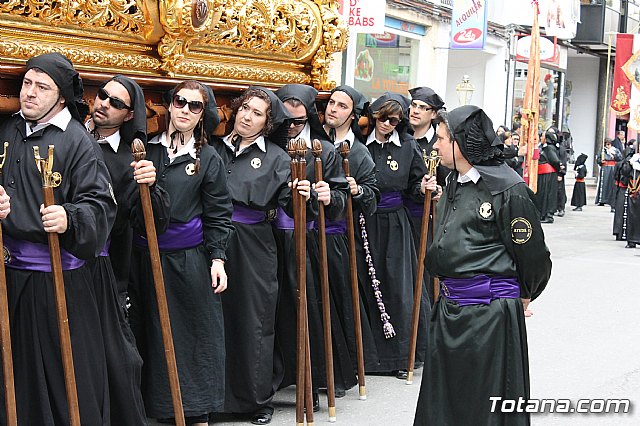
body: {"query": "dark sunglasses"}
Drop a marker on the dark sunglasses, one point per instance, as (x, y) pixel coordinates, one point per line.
(392, 120)
(298, 121)
(195, 107)
(114, 102)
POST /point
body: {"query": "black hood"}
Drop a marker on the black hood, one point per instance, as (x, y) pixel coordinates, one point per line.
(582, 158)
(211, 119)
(473, 131)
(305, 94)
(137, 126)
(360, 108)
(400, 99)
(61, 71)
(428, 96)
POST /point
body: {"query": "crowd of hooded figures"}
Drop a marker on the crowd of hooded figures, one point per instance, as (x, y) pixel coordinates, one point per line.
(222, 238)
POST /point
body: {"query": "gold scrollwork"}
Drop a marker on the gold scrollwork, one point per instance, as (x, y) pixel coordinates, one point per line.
(120, 16)
(335, 36)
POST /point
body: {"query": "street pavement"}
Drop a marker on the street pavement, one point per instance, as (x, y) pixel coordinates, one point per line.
(583, 337)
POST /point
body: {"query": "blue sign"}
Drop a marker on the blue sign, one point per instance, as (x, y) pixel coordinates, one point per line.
(469, 24)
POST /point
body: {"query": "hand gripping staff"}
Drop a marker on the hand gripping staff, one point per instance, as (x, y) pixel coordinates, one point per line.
(353, 272)
(139, 153)
(50, 180)
(5, 333)
(432, 163)
(316, 147)
(296, 149)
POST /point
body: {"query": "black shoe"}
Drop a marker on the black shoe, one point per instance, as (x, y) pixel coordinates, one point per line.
(546, 220)
(613, 210)
(577, 209)
(262, 416)
(340, 393)
(561, 213)
(630, 245)
(601, 204)
(418, 364)
(316, 402)
(402, 374)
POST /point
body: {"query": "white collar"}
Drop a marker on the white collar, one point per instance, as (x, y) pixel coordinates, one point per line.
(349, 137)
(427, 135)
(113, 140)
(394, 138)
(259, 141)
(189, 148)
(305, 135)
(61, 120)
(473, 175)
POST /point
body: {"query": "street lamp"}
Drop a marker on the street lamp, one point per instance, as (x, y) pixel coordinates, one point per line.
(465, 90)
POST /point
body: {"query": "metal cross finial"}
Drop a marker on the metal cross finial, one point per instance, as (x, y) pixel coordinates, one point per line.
(432, 161)
(4, 155)
(45, 167)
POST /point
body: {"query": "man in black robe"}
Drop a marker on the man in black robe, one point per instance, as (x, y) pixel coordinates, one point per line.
(548, 166)
(490, 255)
(119, 116)
(620, 140)
(51, 113)
(607, 159)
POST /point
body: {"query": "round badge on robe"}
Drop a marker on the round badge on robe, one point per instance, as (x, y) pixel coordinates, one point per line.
(190, 169)
(520, 230)
(485, 210)
(7, 255)
(256, 163)
(393, 165)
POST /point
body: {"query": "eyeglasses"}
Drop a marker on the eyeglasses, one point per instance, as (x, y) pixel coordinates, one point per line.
(298, 121)
(195, 107)
(392, 120)
(114, 102)
(422, 108)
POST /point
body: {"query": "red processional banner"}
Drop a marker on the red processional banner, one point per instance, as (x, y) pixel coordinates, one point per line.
(621, 92)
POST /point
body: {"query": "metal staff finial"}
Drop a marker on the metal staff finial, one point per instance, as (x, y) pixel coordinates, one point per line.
(45, 167)
(432, 161)
(4, 155)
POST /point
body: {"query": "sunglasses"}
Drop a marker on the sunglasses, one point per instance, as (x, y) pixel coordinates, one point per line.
(298, 121)
(392, 120)
(114, 102)
(422, 108)
(195, 107)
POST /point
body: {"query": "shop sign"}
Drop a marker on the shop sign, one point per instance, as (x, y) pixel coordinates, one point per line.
(469, 24)
(364, 16)
(549, 53)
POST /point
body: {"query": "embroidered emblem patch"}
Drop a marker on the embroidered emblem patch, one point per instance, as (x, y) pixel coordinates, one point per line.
(393, 165)
(7, 255)
(520, 230)
(190, 169)
(256, 163)
(485, 210)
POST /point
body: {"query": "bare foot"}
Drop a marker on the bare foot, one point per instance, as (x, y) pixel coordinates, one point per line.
(528, 313)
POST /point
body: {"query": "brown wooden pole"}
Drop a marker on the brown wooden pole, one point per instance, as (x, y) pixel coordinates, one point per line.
(5, 335)
(138, 150)
(292, 149)
(308, 392)
(353, 273)
(45, 167)
(422, 252)
(324, 285)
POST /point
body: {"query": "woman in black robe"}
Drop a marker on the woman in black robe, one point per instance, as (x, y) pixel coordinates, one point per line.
(258, 178)
(400, 169)
(192, 252)
(490, 255)
(579, 195)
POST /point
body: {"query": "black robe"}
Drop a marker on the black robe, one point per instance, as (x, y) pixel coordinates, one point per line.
(546, 199)
(257, 180)
(606, 191)
(399, 169)
(85, 193)
(478, 351)
(195, 311)
(579, 195)
(631, 226)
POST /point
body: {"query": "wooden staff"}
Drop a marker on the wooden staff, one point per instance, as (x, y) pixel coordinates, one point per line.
(139, 153)
(353, 273)
(50, 180)
(324, 285)
(5, 333)
(431, 163)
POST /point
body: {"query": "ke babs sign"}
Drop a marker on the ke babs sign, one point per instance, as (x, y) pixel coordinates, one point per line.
(468, 24)
(364, 16)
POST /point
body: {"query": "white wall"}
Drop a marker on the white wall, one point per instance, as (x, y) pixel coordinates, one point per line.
(582, 71)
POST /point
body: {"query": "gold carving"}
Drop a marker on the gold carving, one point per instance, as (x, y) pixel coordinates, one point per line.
(335, 37)
(120, 16)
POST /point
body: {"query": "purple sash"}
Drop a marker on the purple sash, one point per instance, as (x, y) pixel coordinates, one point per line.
(390, 200)
(285, 222)
(246, 215)
(179, 236)
(415, 209)
(479, 290)
(21, 254)
(335, 226)
(105, 250)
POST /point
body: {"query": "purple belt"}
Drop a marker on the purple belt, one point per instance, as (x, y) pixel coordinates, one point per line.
(415, 209)
(246, 215)
(335, 226)
(178, 236)
(390, 200)
(479, 290)
(283, 221)
(21, 254)
(105, 250)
